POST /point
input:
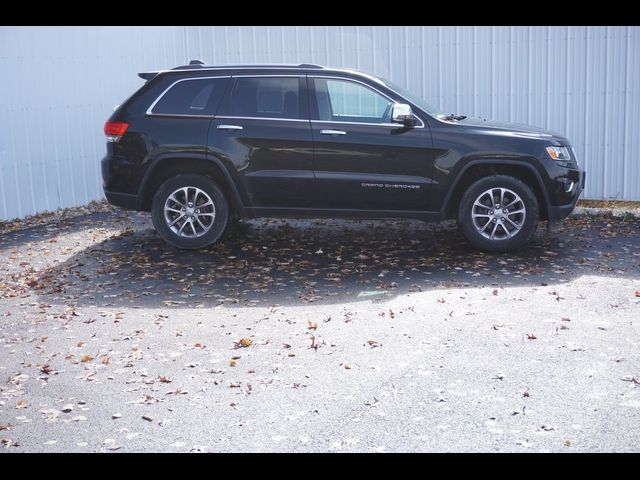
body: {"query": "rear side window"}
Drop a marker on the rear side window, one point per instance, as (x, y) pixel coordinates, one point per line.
(192, 97)
(267, 97)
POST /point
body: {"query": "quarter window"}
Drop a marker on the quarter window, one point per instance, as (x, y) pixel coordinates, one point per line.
(266, 97)
(192, 97)
(342, 100)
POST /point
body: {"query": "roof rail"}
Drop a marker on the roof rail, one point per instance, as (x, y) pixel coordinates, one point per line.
(199, 64)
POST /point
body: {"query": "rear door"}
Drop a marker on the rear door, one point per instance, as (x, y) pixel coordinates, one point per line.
(263, 129)
(362, 160)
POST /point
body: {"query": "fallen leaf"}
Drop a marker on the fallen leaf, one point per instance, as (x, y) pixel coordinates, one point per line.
(244, 342)
(637, 293)
(567, 443)
(531, 336)
(67, 408)
(5, 427)
(46, 369)
(147, 418)
(346, 366)
(80, 344)
(233, 363)
(495, 292)
(86, 358)
(312, 325)
(21, 404)
(163, 379)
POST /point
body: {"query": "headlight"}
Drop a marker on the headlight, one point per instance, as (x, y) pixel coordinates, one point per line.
(560, 155)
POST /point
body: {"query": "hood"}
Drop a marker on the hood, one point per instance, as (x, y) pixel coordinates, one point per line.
(493, 127)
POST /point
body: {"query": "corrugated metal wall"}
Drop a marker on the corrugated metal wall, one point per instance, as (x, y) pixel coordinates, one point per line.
(59, 84)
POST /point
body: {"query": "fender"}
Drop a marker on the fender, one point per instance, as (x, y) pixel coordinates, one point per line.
(492, 162)
(236, 197)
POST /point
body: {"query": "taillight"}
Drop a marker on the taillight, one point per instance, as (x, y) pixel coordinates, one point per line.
(115, 130)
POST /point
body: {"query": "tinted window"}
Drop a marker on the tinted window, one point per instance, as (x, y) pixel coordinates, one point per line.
(269, 97)
(342, 100)
(192, 97)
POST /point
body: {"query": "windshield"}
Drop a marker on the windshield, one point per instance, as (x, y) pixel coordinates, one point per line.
(412, 97)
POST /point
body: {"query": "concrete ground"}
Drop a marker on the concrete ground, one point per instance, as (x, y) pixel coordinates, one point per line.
(318, 336)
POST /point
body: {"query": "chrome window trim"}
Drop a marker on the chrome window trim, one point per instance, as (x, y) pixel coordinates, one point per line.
(150, 109)
(313, 76)
(228, 117)
(387, 125)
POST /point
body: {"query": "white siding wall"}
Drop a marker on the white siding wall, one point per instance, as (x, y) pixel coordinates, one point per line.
(59, 84)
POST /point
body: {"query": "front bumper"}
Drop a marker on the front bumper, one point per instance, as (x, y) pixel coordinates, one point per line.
(558, 212)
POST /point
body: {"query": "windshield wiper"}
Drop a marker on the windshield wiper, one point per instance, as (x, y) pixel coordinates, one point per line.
(452, 116)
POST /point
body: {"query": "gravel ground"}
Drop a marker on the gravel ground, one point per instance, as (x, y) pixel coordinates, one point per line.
(318, 336)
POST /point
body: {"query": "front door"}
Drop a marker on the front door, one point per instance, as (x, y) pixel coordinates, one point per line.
(362, 160)
(262, 128)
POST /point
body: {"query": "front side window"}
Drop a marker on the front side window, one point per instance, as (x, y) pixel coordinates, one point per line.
(345, 101)
(191, 97)
(266, 97)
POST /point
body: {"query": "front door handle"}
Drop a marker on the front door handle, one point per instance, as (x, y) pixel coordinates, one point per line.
(229, 127)
(333, 132)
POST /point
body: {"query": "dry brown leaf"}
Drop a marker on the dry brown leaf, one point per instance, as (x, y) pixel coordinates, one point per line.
(163, 379)
(233, 363)
(86, 358)
(80, 344)
(5, 427)
(245, 342)
(312, 325)
(567, 443)
(21, 404)
(531, 336)
(495, 292)
(346, 366)
(637, 293)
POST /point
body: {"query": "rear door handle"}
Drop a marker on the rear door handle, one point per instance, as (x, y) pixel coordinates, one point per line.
(333, 132)
(229, 127)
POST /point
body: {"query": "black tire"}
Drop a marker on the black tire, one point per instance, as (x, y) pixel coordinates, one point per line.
(527, 224)
(216, 227)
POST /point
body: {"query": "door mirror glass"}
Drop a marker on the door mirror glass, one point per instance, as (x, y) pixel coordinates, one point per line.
(402, 114)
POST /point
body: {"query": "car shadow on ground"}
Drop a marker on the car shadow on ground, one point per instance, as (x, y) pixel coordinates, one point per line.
(266, 262)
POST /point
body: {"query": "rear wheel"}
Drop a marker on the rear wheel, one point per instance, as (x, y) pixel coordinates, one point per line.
(190, 211)
(498, 213)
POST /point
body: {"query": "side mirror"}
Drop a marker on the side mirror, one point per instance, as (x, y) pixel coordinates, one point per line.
(402, 114)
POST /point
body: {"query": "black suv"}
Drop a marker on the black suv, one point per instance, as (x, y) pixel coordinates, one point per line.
(198, 144)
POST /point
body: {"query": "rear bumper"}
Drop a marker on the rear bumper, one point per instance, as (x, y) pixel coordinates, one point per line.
(558, 212)
(123, 200)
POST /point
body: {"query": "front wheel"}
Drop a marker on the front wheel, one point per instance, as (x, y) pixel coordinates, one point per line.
(498, 213)
(190, 211)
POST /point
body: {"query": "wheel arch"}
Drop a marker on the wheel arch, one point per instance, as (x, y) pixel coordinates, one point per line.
(477, 169)
(170, 165)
